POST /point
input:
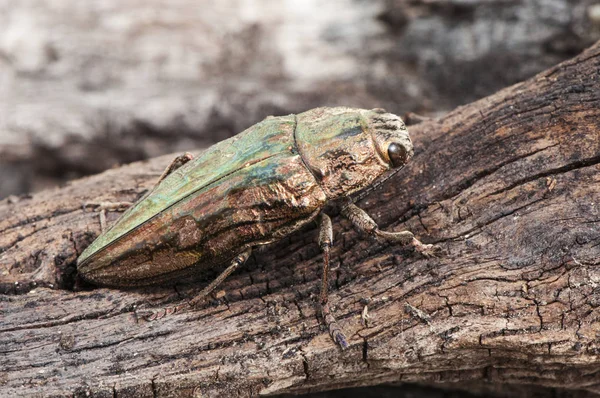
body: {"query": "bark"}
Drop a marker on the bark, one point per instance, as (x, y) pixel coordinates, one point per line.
(508, 187)
(85, 86)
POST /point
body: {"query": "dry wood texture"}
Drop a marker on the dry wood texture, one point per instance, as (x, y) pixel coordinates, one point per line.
(508, 187)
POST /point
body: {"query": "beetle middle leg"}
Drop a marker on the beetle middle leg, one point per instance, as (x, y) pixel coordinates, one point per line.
(363, 222)
(153, 314)
(325, 243)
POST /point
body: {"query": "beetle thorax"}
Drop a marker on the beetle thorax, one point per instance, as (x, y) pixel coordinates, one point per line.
(336, 144)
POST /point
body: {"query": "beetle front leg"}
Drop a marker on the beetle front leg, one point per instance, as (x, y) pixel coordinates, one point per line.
(364, 223)
(325, 243)
(154, 314)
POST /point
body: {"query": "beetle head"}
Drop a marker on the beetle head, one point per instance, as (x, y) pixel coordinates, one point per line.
(390, 137)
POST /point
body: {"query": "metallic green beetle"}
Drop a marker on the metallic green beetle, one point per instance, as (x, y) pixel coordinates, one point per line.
(250, 190)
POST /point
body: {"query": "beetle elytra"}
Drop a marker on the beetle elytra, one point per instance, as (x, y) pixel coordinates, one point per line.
(253, 189)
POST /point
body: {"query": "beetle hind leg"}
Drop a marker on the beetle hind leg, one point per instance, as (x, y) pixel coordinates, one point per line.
(154, 314)
(103, 207)
(364, 223)
(325, 243)
(176, 163)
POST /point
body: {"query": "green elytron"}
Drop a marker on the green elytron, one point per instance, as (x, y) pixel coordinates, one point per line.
(250, 190)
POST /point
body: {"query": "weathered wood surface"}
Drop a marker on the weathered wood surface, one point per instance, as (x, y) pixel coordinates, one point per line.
(508, 187)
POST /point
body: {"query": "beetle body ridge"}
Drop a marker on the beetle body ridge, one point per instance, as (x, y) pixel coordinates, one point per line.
(252, 189)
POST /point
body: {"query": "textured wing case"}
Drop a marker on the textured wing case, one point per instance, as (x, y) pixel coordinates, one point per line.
(248, 190)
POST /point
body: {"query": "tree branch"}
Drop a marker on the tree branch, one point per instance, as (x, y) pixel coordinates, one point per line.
(508, 186)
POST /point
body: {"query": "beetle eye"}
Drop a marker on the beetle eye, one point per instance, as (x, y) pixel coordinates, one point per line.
(397, 154)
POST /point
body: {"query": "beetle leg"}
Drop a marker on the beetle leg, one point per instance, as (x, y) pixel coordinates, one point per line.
(103, 207)
(175, 164)
(238, 261)
(325, 243)
(154, 314)
(364, 223)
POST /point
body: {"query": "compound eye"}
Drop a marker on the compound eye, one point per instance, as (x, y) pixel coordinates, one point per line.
(398, 154)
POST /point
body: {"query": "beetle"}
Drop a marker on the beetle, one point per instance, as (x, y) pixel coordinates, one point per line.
(252, 189)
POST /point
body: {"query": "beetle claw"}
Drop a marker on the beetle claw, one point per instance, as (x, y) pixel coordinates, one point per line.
(340, 339)
(426, 250)
(335, 330)
(145, 315)
(150, 315)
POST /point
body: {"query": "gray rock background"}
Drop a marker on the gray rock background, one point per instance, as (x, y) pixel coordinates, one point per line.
(88, 85)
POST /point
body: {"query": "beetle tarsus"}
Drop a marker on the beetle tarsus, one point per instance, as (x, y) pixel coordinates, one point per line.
(364, 316)
(335, 331)
(154, 314)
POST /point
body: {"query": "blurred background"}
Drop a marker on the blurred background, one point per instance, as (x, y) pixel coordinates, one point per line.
(85, 86)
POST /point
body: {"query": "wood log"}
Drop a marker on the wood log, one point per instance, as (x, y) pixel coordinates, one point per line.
(508, 187)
